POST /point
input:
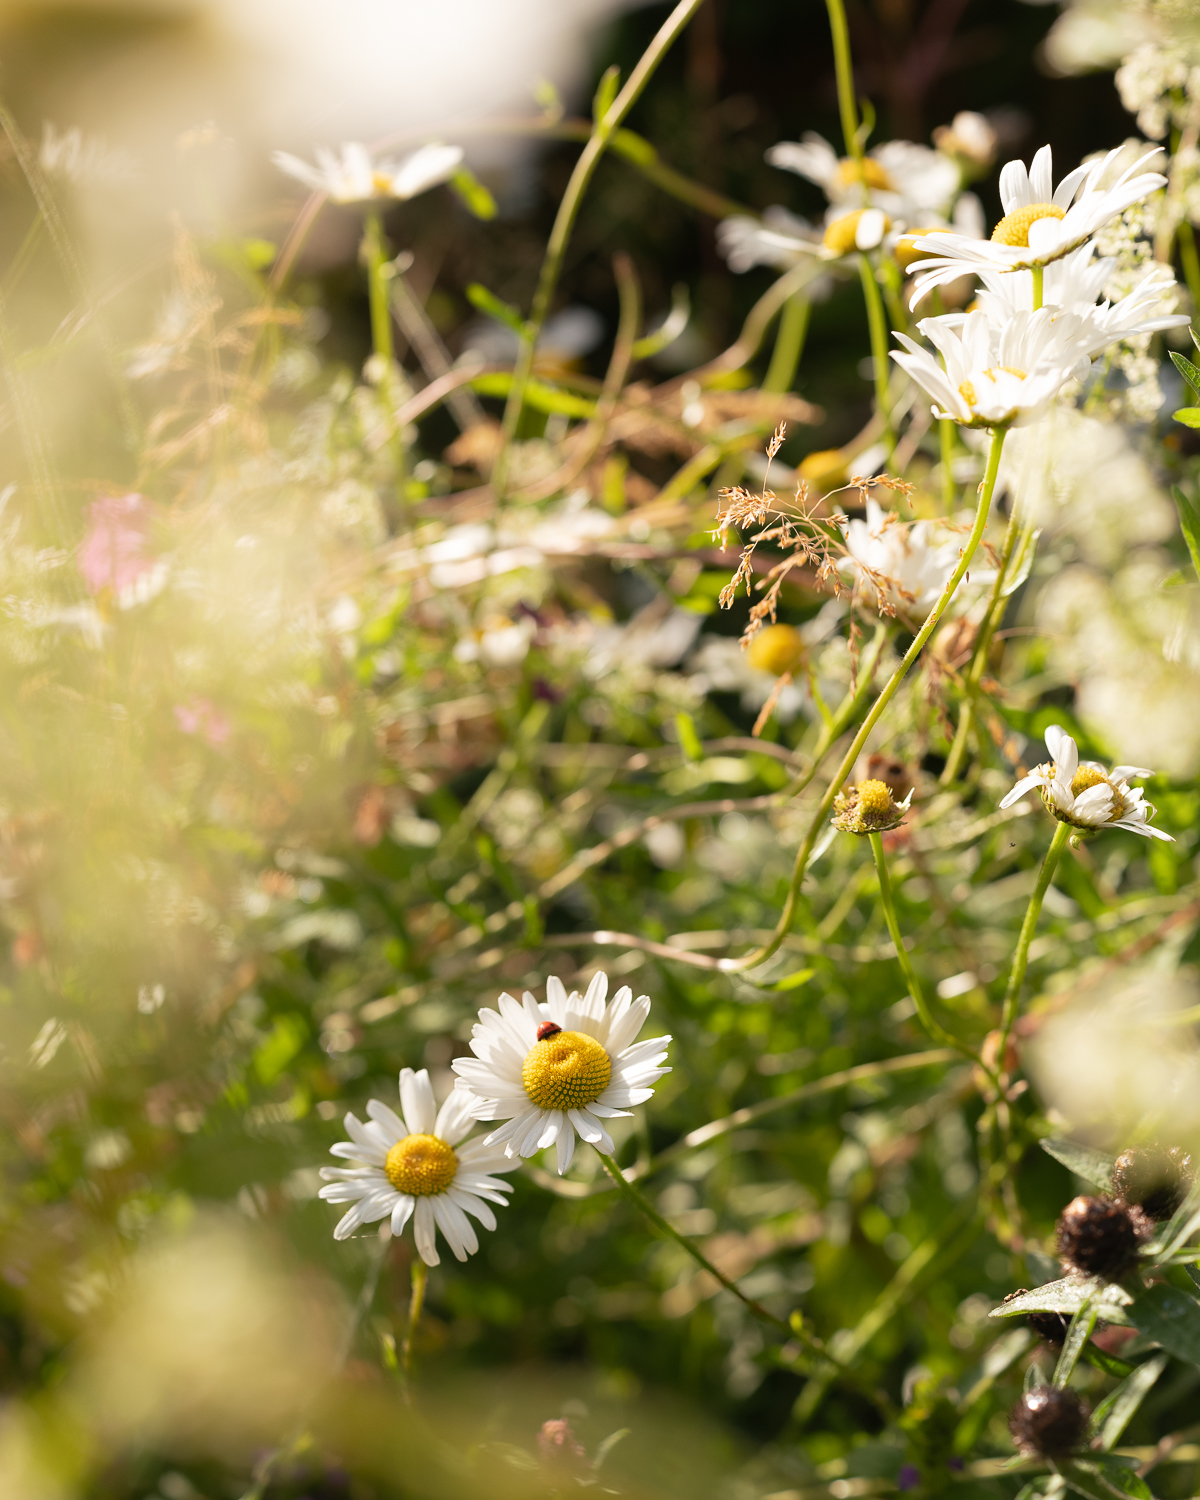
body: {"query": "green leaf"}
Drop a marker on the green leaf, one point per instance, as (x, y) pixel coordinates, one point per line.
(538, 394)
(504, 312)
(1188, 415)
(1187, 369)
(1022, 564)
(1092, 1166)
(792, 981)
(473, 194)
(1078, 1334)
(279, 1046)
(1195, 337)
(606, 93)
(1189, 524)
(1108, 1363)
(671, 326)
(689, 740)
(1102, 1476)
(635, 148)
(1068, 1296)
(1116, 1411)
(1172, 1318)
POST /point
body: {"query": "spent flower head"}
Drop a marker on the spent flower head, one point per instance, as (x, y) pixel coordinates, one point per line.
(352, 176)
(869, 807)
(1084, 794)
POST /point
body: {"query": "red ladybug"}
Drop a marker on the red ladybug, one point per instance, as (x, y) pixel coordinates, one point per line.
(547, 1029)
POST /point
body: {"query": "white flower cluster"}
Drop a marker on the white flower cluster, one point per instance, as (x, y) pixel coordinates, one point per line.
(1157, 84)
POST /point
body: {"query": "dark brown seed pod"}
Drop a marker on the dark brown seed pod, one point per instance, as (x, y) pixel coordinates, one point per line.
(1154, 1178)
(1097, 1237)
(1050, 1326)
(1048, 1423)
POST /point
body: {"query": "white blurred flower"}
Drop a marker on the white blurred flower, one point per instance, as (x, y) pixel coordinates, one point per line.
(351, 176)
(1041, 223)
(908, 182)
(499, 642)
(969, 135)
(778, 239)
(1146, 80)
(421, 1167)
(1087, 796)
(721, 664)
(561, 1068)
(907, 564)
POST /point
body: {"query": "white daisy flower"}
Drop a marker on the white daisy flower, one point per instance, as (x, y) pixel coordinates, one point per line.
(908, 564)
(351, 176)
(553, 1070)
(1085, 795)
(996, 377)
(906, 181)
(778, 239)
(1041, 223)
(418, 1167)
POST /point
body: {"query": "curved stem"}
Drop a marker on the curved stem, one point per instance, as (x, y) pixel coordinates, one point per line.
(946, 436)
(420, 1276)
(845, 78)
(935, 1029)
(789, 344)
(986, 488)
(1033, 911)
(666, 1229)
(568, 209)
(375, 255)
(879, 345)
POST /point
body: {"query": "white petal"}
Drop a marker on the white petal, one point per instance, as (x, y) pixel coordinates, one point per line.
(387, 1119)
(417, 1102)
(454, 1226)
(423, 1233)
(1123, 773)
(370, 1148)
(402, 1212)
(470, 1204)
(454, 1119)
(565, 1149)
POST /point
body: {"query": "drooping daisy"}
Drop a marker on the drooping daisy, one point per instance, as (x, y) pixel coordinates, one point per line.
(418, 1167)
(1041, 223)
(907, 565)
(551, 1071)
(907, 181)
(351, 176)
(1085, 795)
(996, 377)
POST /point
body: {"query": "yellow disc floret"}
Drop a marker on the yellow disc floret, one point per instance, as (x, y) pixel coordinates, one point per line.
(867, 172)
(875, 798)
(776, 649)
(421, 1164)
(1085, 777)
(566, 1071)
(841, 236)
(1013, 228)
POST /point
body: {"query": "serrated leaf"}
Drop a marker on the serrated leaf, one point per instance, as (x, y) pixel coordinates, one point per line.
(1067, 1296)
(1188, 415)
(487, 302)
(1189, 524)
(1188, 370)
(1093, 1166)
(1078, 1334)
(1116, 1411)
(1172, 1318)
(477, 199)
(1102, 1476)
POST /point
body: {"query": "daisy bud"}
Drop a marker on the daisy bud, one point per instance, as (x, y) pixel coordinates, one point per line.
(1153, 1179)
(1097, 1237)
(869, 807)
(1048, 1423)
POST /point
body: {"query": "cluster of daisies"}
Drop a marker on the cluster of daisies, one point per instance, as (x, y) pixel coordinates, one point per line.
(550, 1073)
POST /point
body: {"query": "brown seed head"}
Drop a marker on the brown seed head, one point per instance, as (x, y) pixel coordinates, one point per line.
(1048, 1423)
(1153, 1178)
(1097, 1237)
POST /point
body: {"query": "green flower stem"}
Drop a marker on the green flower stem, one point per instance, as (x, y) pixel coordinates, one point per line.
(1188, 259)
(879, 345)
(845, 79)
(568, 210)
(935, 1029)
(1016, 978)
(1038, 273)
(668, 1231)
(789, 344)
(375, 255)
(416, 1302)
(946, 435)
(986, 488)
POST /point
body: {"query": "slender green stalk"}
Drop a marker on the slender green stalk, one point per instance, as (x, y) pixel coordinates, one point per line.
(1189, 260)
(416, 1302)
(1038, 273)
(666, 1229)
(789, 344)
(986, 489)
(845, 80)
(937, 1031)
(375, 255)
(1016, 978)
(946, 437)
(879, 344)
(568, 210)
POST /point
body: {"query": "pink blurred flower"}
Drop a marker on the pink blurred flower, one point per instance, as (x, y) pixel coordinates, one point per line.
(114, 554)
(202, 716)
(558, 1446)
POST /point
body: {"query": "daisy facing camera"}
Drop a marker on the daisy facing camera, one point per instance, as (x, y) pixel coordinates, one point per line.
(1154, 1179)
(1048, 1423)
(1097, 1237)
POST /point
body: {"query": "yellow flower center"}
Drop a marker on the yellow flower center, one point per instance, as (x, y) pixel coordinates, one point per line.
(776, 649)
(382, 183)
(874, 797)
(967, 389)
(1013, 228)
(566, 1071)
(869, 173)
(842, 235)
(421, 1164)
(1085, 777)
